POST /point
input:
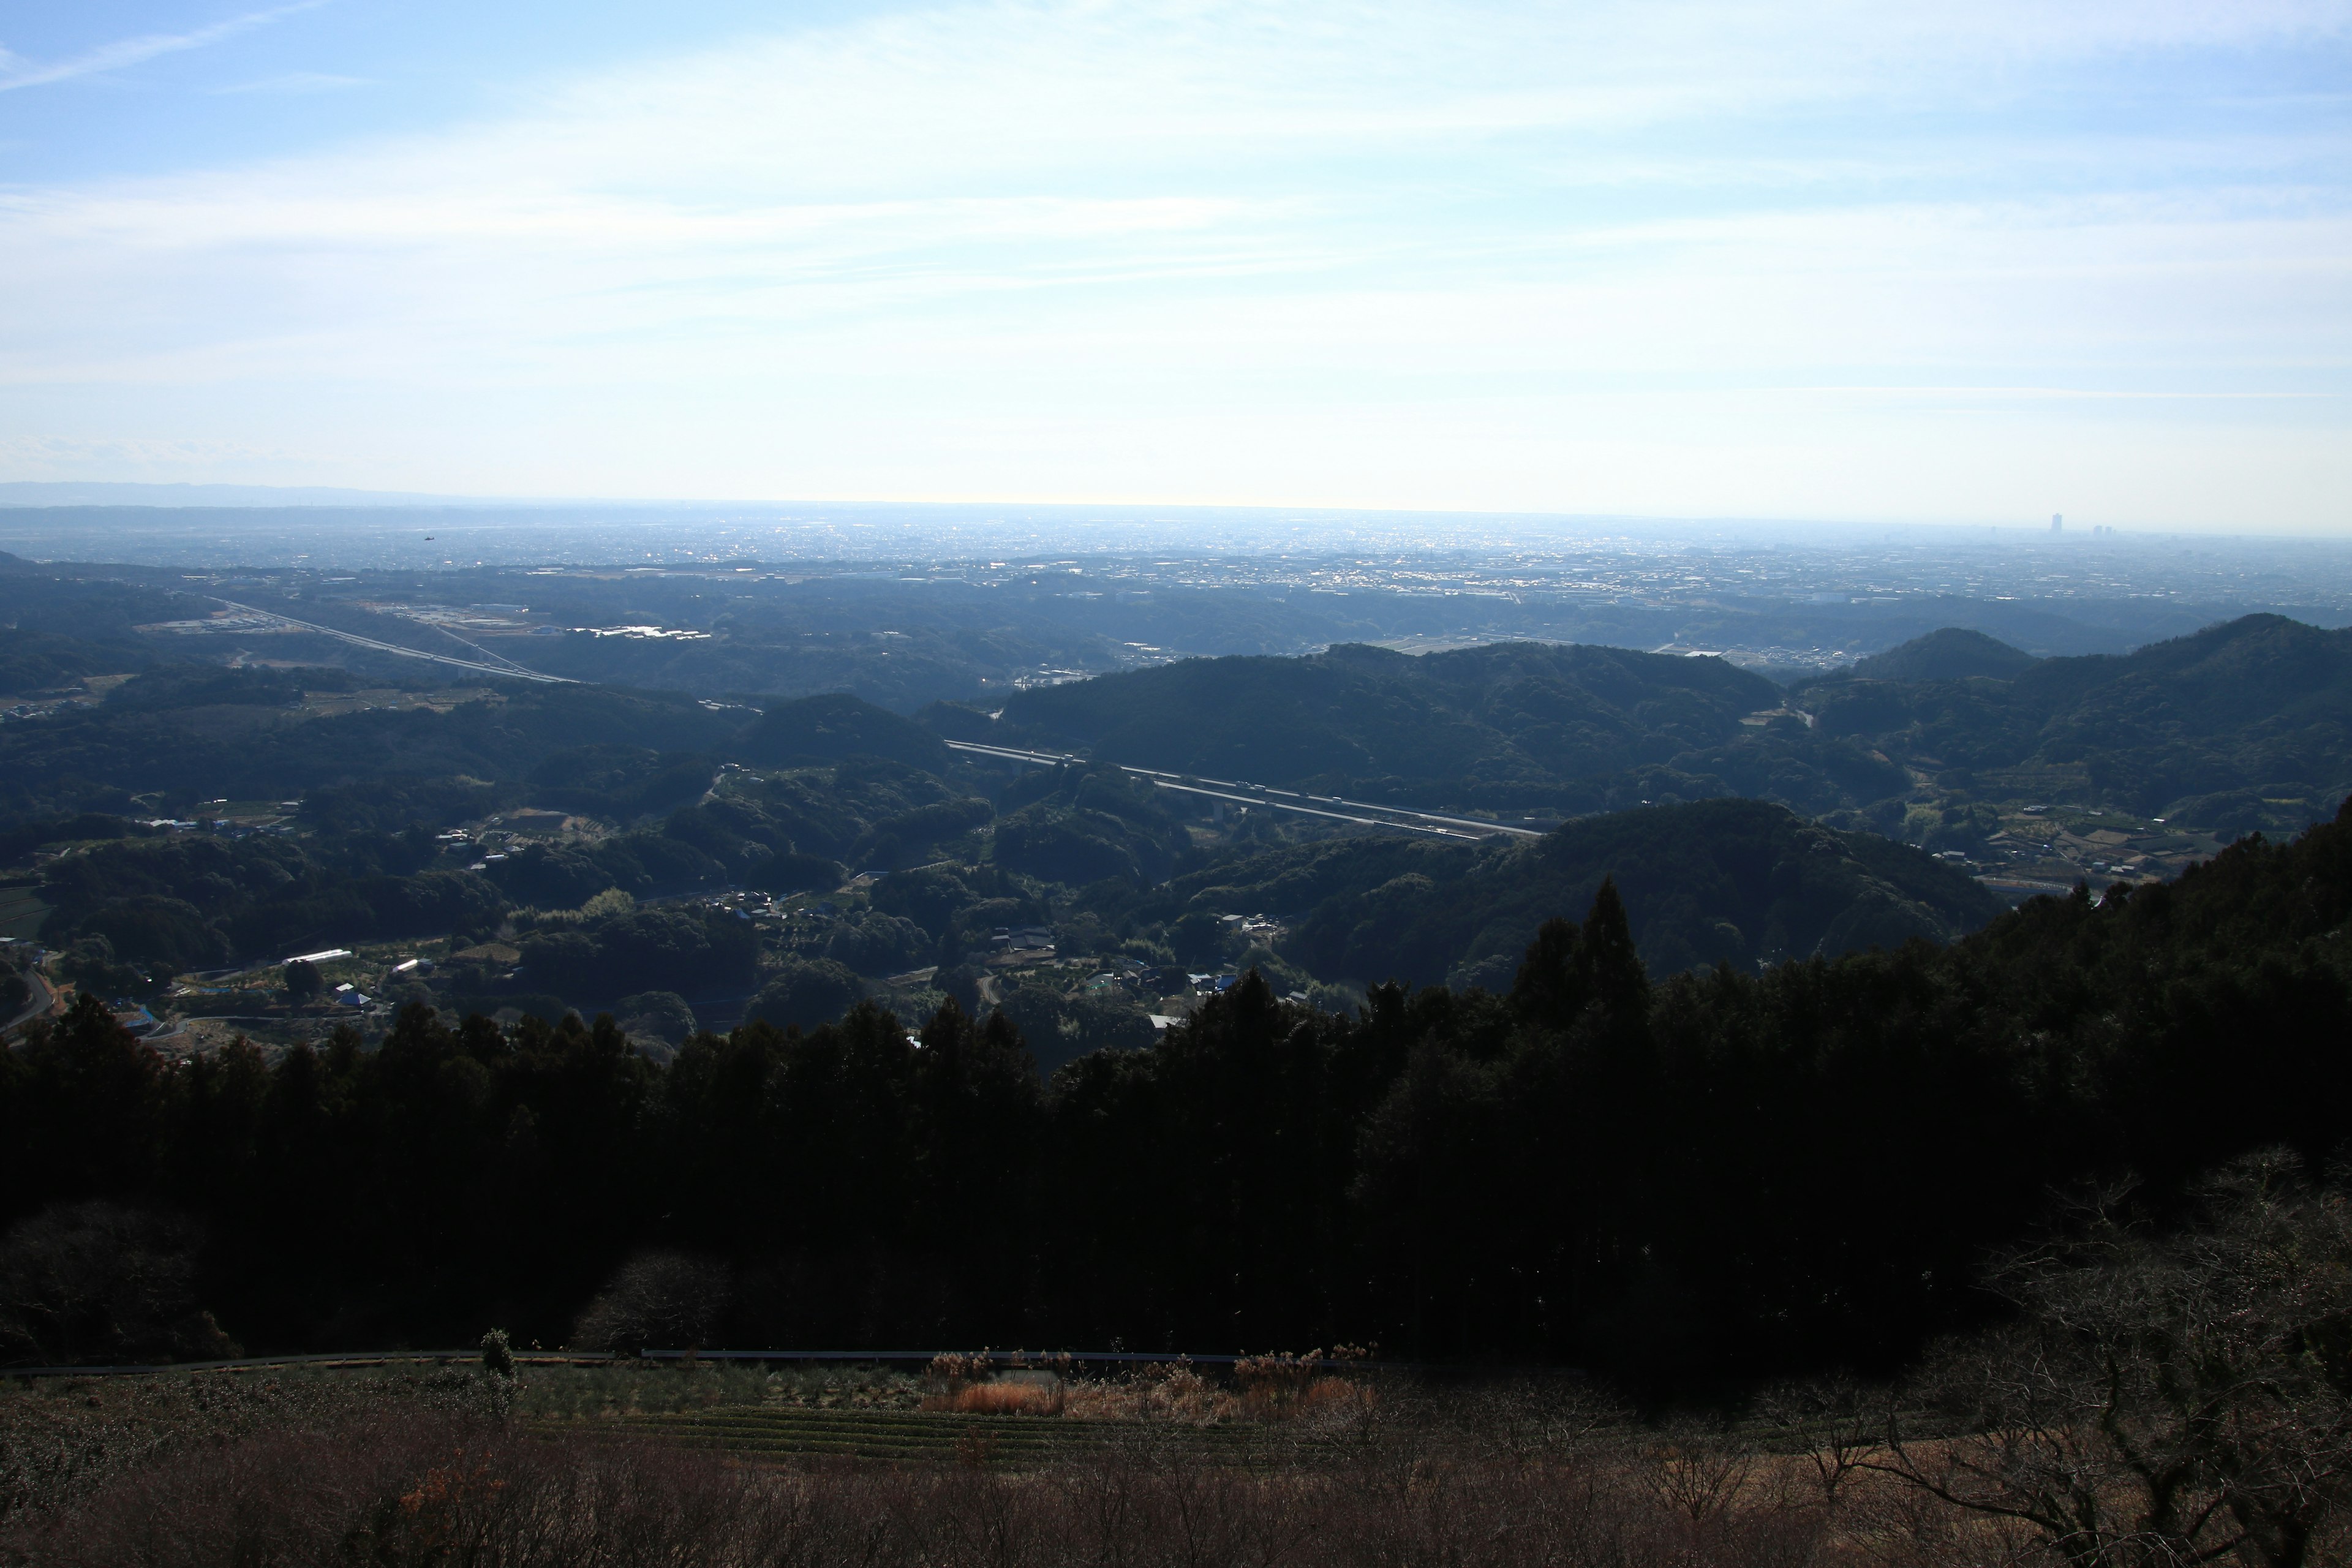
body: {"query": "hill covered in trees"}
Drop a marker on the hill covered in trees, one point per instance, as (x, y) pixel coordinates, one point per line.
(2241, 725)
(1480, 723)
(2237, 727)
(358, 815)
(1952, 653)
(1742, 882)
(481, 811)
(186, 734)
(1720, 1175)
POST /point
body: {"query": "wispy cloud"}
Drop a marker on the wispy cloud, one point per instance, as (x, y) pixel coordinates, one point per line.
(295, 83)
(17, 72)
(1660, 254)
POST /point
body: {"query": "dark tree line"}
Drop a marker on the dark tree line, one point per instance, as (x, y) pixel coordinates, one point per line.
(1722, 1176)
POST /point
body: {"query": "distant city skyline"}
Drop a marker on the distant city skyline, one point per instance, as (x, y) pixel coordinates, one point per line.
(1819, 261)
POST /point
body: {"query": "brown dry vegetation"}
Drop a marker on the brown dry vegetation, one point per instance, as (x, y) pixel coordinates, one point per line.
(442, 1489)
(1001, 1399)
(2159, 1399)
(451, 1467)
(64, 1442)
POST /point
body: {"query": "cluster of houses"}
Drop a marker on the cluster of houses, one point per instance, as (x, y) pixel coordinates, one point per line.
(1024, 939)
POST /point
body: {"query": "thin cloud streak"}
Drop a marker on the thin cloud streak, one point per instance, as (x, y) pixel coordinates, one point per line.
(1317, 249)
(294, 82)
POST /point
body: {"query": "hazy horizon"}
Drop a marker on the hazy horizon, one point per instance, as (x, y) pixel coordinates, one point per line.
(194, 506)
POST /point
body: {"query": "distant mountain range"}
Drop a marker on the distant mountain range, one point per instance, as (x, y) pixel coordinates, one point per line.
(2241, 725)
(2247, 725)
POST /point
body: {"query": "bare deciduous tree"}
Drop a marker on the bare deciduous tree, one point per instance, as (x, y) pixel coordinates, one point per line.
(669, 1300)
(100, 1281)
(1841, 1424)
(1701, 1470)
(2162, 1399)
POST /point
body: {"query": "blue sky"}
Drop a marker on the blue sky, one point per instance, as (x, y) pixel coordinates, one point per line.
(1841, 261)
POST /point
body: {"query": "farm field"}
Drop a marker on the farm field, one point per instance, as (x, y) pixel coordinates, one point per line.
(21, 913)
(1017, 1442)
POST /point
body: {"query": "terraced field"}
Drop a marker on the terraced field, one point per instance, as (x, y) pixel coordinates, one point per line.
(1016, 1441)
(21, 911)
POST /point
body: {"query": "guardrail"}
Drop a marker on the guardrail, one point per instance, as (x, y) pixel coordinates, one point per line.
(1003, 1358)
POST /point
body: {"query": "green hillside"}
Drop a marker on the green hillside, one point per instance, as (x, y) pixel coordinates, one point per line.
(1443, 725)
(1691, 778)
(815, 730)
(2246, 724)
(2241, 726)
(1736, 880)
(1954, 653)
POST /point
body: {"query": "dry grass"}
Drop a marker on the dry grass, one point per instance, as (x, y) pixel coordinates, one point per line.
(1171, 1392)
(61, 1438)
(623, 1389)
(436, 1490)
(1264, 1389)
(1290, 1464)
(1001, 1399)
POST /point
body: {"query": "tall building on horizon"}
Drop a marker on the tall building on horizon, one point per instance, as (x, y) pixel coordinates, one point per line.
(2057, 522)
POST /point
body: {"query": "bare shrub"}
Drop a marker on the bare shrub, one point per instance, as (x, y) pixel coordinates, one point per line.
(1299, 1388)
(1270, 1384)
(442, 1491)
(1837, 1424)
(1535, 1418)
(2161, 1399)
(61, 1441)
(101, 1282)
(1701, 1469)
(949, 1375)
(658, 1300)
(1159, 1391)
(420, 1492)
(1530, 1475)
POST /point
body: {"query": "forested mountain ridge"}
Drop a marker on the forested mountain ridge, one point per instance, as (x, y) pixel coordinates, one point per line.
(2241, 725)
(395, 829)
(1953, 653)
(195, 731)
(1517, 713)
(402, 829)
(2258, 708)
(171, 901)
(833, 729)
(1736, 881)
